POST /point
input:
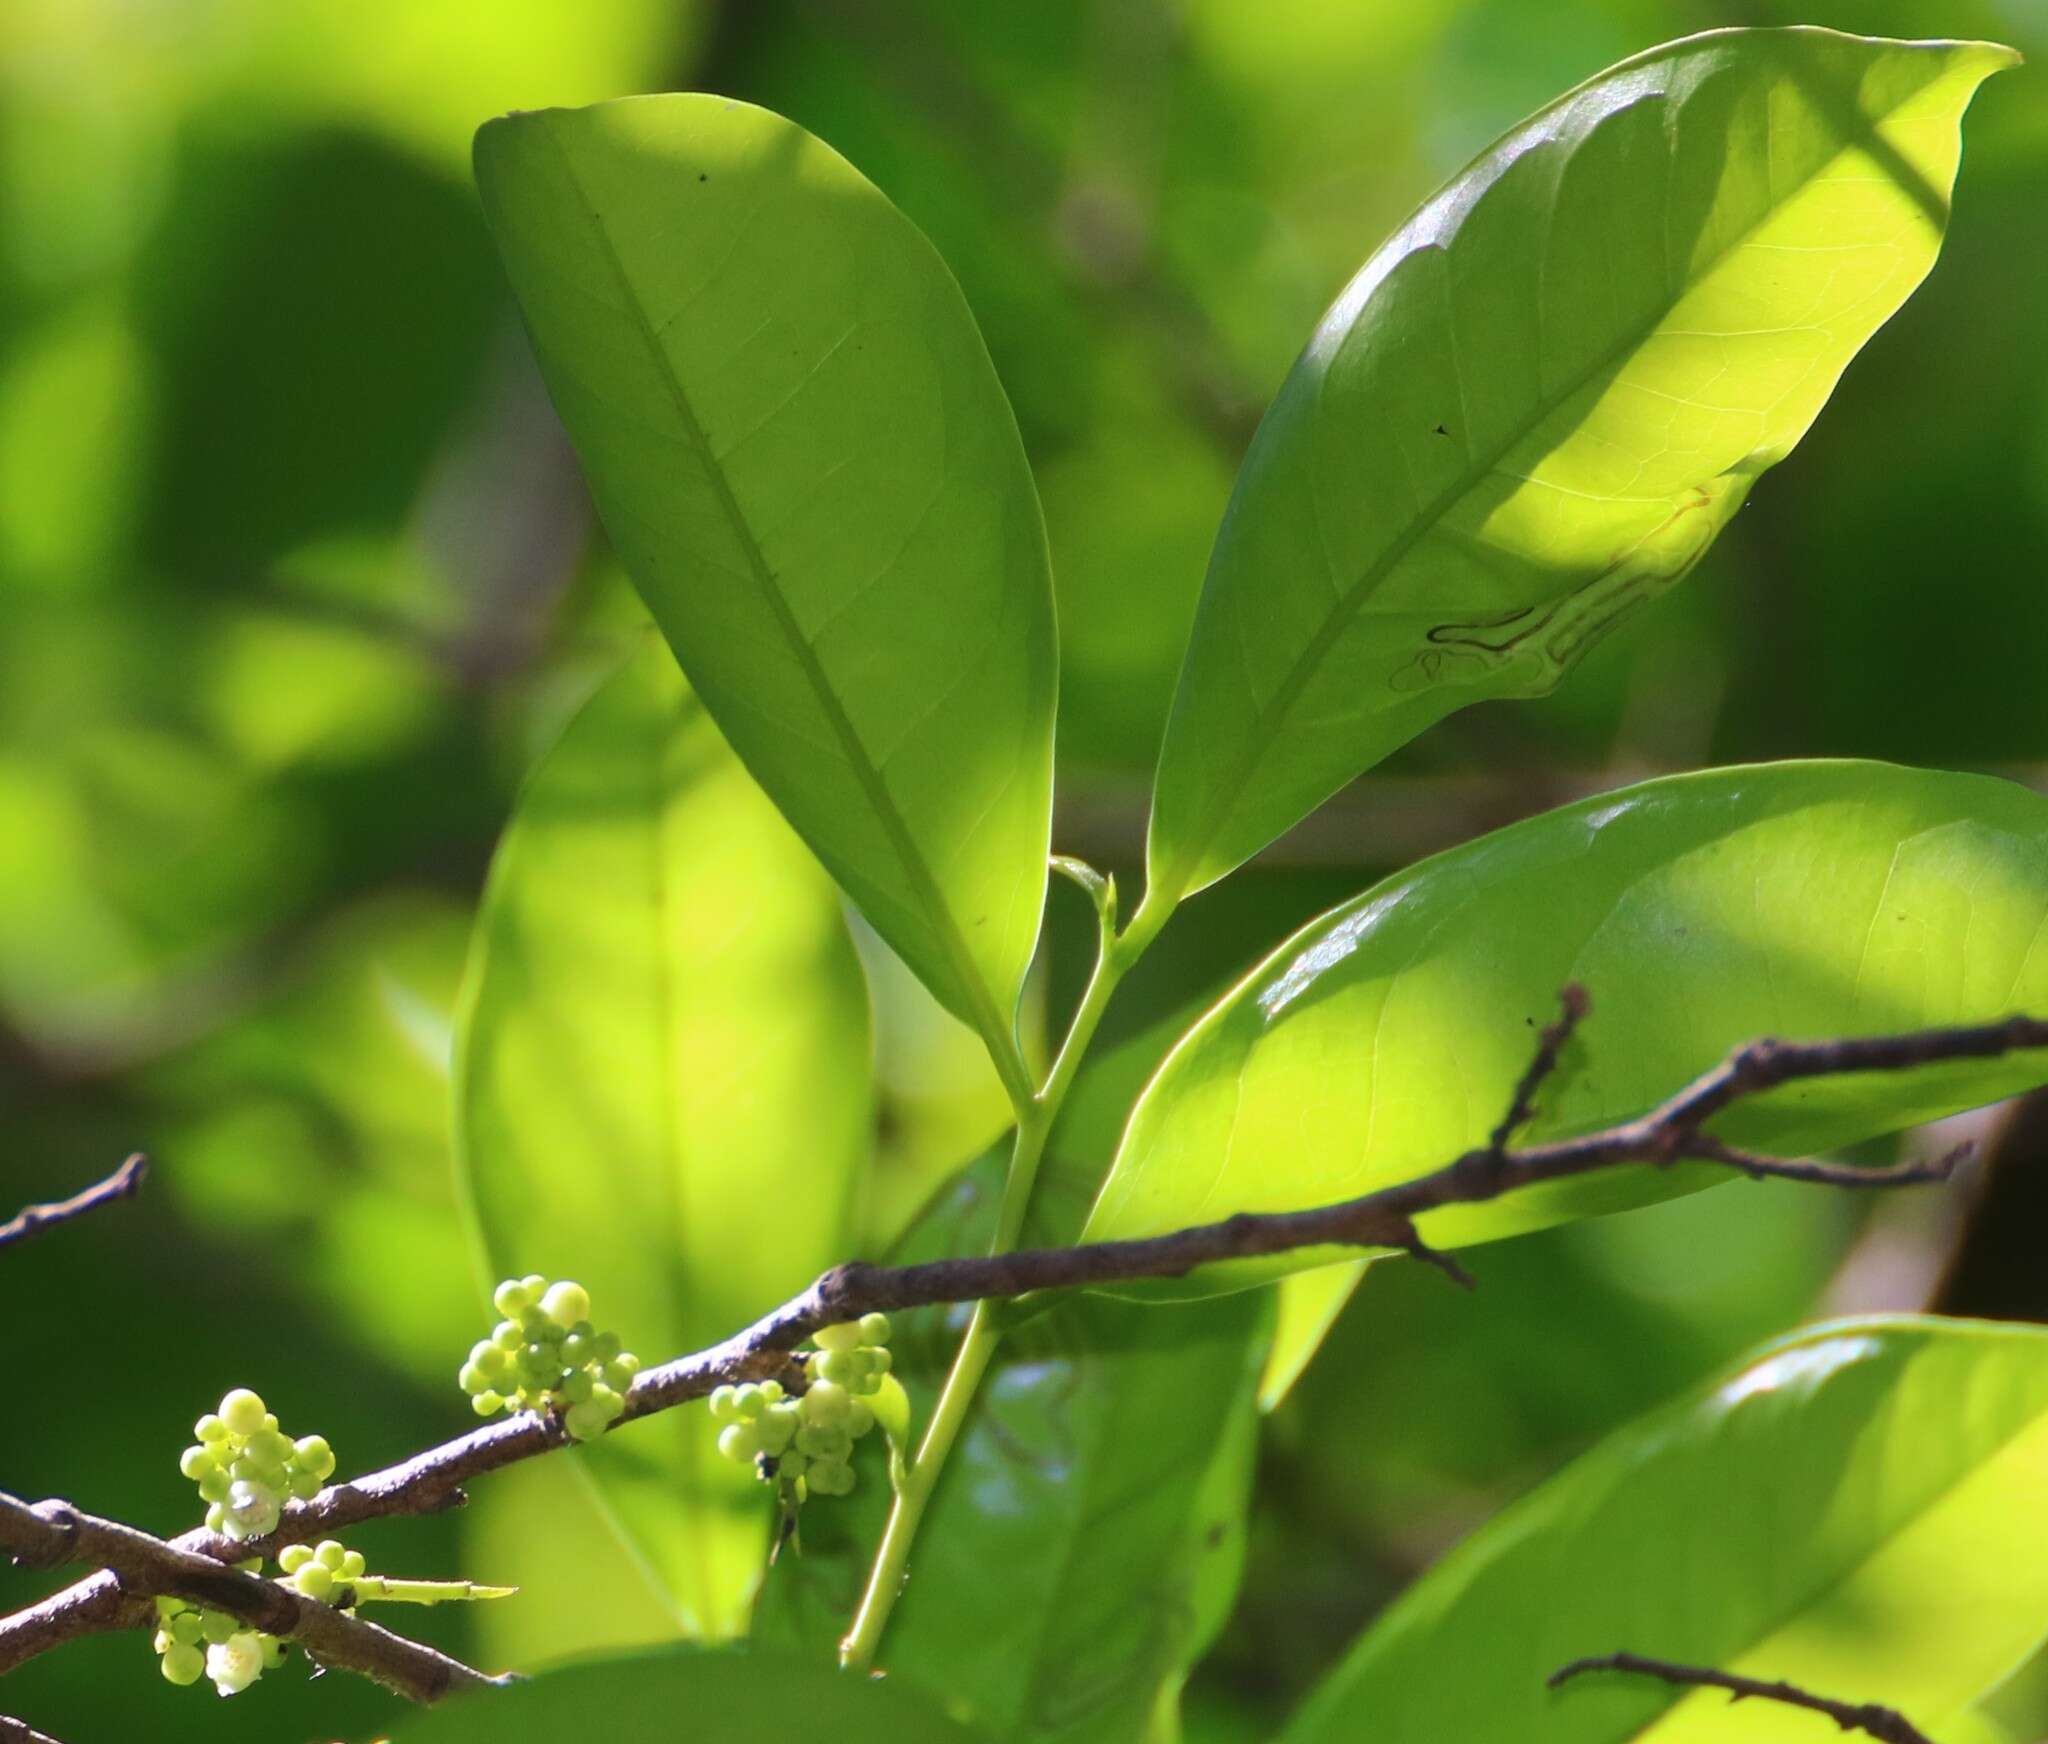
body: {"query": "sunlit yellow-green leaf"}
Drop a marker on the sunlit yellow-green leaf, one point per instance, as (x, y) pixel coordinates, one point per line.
(1857, 1509)
(1700, 911)
(803, 456)
(1539, 401)
(662, 1084)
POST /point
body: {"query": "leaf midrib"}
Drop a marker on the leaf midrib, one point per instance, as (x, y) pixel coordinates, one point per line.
(1266, 723)
(915, 867)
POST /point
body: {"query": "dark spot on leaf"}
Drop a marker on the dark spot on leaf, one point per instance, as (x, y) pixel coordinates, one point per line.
(1441, 431)
(1215, 1534)
(702, 177)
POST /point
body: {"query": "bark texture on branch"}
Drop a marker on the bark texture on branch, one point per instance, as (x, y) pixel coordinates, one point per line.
(51, 1533)
(124, 1183)
(1673, 1131)
(1887, 1725)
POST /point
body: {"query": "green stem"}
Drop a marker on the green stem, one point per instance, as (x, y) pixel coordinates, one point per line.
(1035, 1117)
(424, 1592)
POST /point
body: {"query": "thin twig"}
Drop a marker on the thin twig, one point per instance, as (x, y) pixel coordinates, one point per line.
(55, 1532)
(1550, 1045)
(124, 1183)
(1887, 1725)
(1387, 1219)
(14, 1731)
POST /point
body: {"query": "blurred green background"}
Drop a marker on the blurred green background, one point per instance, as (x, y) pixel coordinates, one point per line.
(297, 574)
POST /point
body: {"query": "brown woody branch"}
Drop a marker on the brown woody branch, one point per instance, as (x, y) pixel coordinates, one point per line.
(14, 1731)
(1669, 1133)
(124, 1183)
(1887, 1725)
(52, 1533)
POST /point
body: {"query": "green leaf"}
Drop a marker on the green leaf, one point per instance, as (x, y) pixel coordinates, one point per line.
(1087, 1532)
(1856, 1509)
(800, 449)
(1540, 400)
(1308, 1304)
(749, 1697)
(662, 1084)
(1700, 912)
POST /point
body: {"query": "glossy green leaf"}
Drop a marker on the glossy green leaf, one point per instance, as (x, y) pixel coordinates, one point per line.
(1857, 1509)
(750, 1697)
(662, 1084)
(1700, 911)
(1308, 1304)
(801, 451)
(1087, 1533)
(1537, 404)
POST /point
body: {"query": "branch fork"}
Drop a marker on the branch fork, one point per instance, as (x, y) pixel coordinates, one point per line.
(133, 1566)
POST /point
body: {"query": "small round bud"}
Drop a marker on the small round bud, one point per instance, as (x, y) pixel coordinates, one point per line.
(739, 1442)
(354, 1566)
(217, 1516)
(749, 1403)
(629, 1365)
(183, 1663)
(315, 1580)
(271, 1447)
(839, 1367)
(724, 1404)
(607, 1402)
(472, 1380)
(791, 1465)
(879, 1360)
(832, 1338)
(314, 1455)
(508, 1336)
(578, 1387)
(874, 1329)
(607, 1346)
(196, 1462)
(303, 1485)
(487, 1404)
(242, 1411)
(185, 1628)
(294, 1557)
(860, 1419)
(566, 1303)
(827, 1404)
(252, 1510)
(216, 1627)
(777, 1427)
(585, 1422)
(331, 1554)
(828, 1477)
(576, 1349)
(824, 1443)
(511, 1298)
(618, 1376)
(210, 1428)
